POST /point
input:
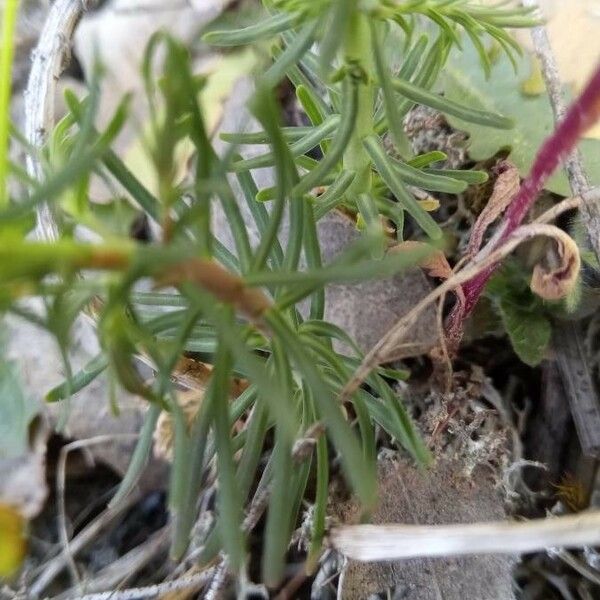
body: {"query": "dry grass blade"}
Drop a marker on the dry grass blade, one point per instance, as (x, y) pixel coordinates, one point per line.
(393, 542)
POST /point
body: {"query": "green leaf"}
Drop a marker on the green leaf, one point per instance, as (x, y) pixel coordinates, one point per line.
(529, 331)
(388, 173)
(424, 160)
(431, 180)
(303, 145)
(17, 410)
(524, 315)
(263, 29)
(468, 175)
(462, 110)
(464, 82)
(84, 377)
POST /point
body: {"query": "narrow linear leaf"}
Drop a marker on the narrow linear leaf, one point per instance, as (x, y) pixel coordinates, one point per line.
(266, 28)
(471, 115)
(389, 174)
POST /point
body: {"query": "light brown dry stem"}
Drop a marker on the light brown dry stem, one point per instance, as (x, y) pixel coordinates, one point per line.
(386, 345)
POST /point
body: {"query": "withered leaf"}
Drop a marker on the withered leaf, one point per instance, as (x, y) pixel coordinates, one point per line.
(505, 188)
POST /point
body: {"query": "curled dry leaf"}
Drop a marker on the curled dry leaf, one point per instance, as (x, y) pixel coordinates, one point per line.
(555, 277)
(506, 187)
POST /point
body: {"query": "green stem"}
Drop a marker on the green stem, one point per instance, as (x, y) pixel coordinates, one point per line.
(9, 18)
(358, 51)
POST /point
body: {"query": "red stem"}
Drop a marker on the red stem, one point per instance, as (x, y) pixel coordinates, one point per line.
(582, 114)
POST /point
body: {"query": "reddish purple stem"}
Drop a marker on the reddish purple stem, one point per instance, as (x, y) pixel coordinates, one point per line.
(582, 114)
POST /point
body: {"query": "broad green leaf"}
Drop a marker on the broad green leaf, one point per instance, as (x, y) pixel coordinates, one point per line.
(529, 331)
(524, 315)
(464, 82)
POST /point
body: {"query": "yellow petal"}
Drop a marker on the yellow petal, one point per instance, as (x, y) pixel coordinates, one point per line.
(12, 540)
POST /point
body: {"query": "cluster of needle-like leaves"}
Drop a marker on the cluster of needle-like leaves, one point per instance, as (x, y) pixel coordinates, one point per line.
(357, 68)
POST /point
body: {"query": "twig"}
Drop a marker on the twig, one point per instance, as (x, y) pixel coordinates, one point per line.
(60, 491)
(54, 567)
(573, 164)
(125, 567)
(291, 587)
(219, 581)
(154, 591)
(579, 385)
(572, 360)
(588, 572)
(394, 542)
(49, 58)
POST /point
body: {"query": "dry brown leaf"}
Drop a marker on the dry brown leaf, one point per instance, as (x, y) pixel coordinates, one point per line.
(555, 277)
(505, 188)
(189, 402)
(435, 263)
(196, 375)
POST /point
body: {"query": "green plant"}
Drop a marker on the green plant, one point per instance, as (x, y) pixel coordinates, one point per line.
(240, 311)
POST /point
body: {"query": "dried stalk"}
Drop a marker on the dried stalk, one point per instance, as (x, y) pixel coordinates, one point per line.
(49, 58)
(125, 567)
(394, 542)
(154, 591)
(573, 163)
(60, 491)
(482, 263)
(55, 566)
(571, 357)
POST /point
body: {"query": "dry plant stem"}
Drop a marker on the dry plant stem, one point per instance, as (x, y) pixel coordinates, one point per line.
(60, 490)
(394, 542)
(154, 591)
(49, 58)
(386, 345)
(572, 359)
(291, 587)
(582, 568)
(582, 114)
(55, 566)
(125, 567)
(573, 163)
